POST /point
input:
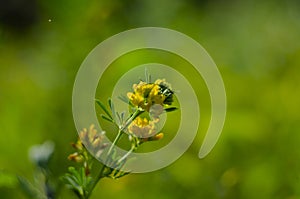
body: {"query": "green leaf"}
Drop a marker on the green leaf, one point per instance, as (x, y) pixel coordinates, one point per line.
(170, 109)
(71, 181)
(28, 188)
(121, 174)
(119, 118)
(74, 172)
(124, 99)
(83, 177)
(112, 108)
(103, 108)
(77, 180)
(106, 118)
(147, 76)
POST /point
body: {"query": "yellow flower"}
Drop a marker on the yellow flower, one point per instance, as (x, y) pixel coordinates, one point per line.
(145, 95)
(144, 129)
(93, 140)
(156, 137)
(78, 145)
(76, 157)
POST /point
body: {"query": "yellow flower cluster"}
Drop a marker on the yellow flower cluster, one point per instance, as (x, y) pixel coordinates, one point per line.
(150, 97)
(144, 129)
(93, 140)
(77, 156)
(145, 95)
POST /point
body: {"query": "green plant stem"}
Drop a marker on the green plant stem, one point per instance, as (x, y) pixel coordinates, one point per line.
(122, 128)
(133, 116)
(95, 182)
(127, 154)
(120, 133)
(84, 196)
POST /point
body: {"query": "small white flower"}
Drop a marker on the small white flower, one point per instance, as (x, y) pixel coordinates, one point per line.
(40, 154)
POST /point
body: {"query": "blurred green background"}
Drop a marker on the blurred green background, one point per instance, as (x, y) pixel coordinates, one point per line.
(255, 45)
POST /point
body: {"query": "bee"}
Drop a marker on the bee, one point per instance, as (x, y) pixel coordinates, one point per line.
(167, 92)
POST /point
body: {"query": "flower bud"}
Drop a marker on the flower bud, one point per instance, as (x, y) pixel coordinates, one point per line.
(76, 157)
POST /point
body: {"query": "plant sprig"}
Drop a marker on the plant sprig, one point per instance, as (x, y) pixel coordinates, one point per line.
(152, 98)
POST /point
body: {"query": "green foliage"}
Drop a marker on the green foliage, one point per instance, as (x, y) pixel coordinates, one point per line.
(30, 190)
(81, 181)
(78, 181)
(170, 109)
(108, 115)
